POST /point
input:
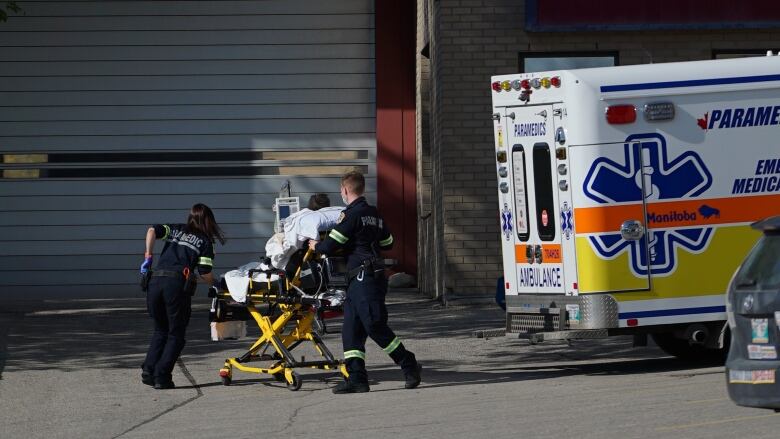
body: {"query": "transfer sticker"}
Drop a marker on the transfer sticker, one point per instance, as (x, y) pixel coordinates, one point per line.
(574, 314)
(762, 352)
(752, 376)
(760, 330)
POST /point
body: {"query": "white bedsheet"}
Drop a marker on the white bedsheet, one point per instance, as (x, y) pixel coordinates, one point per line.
(298, 228)
(238, 280)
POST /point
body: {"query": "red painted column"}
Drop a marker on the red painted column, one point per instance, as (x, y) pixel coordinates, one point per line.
(395, 126)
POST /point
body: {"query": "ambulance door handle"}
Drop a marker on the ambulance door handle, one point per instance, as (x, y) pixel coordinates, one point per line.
(538, 254)
(632, 230)
(529, 253)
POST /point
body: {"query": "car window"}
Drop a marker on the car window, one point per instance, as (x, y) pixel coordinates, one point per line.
(761, 269)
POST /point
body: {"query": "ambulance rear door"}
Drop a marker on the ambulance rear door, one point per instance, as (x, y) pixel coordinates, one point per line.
(610, 185)
(537, 237)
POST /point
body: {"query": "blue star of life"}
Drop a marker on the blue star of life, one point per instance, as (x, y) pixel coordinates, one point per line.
(647, 173)
(506, 222)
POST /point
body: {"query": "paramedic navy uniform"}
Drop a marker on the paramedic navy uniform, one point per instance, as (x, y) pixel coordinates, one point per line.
(167, 302)
(361, 232)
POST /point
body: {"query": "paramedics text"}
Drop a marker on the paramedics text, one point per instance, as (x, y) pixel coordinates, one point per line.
(549, 276)
(766, 179)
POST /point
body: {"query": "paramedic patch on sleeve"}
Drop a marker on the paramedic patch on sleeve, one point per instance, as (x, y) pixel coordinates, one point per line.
(341, 218)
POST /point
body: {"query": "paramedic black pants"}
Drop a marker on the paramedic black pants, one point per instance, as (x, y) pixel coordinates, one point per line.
(169, 307)
(365, 315)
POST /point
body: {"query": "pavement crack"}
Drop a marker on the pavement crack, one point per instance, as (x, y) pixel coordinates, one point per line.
(198, 394)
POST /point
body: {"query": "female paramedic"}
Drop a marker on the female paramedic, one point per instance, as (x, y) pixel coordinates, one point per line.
(171, 285)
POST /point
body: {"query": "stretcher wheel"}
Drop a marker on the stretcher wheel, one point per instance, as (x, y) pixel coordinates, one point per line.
(296, 382)
(225, 376)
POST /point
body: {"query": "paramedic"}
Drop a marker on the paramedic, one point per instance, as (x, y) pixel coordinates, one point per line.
(318, 201)
(361, 232)
(187, 247)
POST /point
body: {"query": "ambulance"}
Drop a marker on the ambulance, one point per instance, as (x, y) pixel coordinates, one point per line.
(626, 196)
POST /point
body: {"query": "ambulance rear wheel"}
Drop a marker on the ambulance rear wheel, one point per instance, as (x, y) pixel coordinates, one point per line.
(682, 349)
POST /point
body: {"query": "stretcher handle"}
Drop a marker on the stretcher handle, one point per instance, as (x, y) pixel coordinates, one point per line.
(306, 258)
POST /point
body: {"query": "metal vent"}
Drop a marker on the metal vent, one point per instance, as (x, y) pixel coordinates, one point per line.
(532, 323)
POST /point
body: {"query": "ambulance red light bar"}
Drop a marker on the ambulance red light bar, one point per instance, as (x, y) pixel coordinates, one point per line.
(621, 114)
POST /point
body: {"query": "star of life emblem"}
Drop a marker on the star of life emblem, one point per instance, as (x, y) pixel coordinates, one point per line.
(506, 222)
(648, 173)
(567, 228)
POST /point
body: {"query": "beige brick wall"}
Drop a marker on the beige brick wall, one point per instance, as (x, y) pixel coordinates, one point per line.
(472, 40)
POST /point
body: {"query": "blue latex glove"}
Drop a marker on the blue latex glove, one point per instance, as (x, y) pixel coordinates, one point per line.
(147, 265)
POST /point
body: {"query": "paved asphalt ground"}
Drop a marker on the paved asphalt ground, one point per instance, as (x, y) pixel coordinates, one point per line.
(70, 369)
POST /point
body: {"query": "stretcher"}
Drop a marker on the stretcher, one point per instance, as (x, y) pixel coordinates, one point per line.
(290, 307)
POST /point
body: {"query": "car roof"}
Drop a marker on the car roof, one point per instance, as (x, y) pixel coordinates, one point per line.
(768, 225)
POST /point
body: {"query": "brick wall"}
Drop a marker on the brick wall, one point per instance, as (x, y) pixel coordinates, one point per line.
(472, 40)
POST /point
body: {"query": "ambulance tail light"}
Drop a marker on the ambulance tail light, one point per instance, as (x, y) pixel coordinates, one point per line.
(496, 86)
(621, 114)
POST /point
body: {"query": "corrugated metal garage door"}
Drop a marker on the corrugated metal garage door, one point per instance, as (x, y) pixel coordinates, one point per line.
(118, 114)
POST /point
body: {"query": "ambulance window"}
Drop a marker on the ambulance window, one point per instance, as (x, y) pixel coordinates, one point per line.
(520, 183)
(543, 188)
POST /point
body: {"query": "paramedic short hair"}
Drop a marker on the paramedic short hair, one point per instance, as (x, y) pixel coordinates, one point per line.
(318, 201)
(354, 181)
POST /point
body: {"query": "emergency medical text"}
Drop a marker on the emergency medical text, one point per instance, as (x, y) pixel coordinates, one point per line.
(767, 179)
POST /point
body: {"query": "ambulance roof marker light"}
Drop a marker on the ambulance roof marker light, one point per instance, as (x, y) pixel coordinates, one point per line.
(496, 86)
(555, 81)
(516, 84)
(536, 83)
(525, 84)
(546, 82)
(620, 114)
(506, 86)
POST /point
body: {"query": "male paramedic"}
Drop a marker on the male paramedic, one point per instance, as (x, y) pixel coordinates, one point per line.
(362, 233)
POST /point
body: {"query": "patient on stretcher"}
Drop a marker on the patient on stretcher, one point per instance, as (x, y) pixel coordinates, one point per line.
(284, 251)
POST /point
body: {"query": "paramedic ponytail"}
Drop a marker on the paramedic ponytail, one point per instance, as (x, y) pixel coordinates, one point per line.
(202, 220)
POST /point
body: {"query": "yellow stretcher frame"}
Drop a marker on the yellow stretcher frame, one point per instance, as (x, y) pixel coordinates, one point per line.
(293, 309)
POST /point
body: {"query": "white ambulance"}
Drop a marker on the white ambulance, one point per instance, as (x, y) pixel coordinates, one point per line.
(626, 193)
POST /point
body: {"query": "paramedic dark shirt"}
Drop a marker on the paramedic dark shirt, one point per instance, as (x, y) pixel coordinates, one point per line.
(361, 232)
(183, 249)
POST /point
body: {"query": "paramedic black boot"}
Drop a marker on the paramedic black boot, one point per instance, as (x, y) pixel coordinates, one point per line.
(347, 386)
(413, 378)
(164, 384)
(147, 379)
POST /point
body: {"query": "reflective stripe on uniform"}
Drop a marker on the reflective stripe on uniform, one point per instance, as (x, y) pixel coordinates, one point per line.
(205, 261)
(392, 346)
(341, 239)
(355, 354)
(167, 231)
(386, 242)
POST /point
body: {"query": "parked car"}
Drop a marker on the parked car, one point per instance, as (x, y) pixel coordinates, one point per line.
(753, 312)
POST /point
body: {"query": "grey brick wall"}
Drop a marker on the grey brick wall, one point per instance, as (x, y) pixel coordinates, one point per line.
(472, 40)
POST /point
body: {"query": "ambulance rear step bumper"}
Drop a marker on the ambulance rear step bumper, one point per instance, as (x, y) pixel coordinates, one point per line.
(528, 320)
(584, 334)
